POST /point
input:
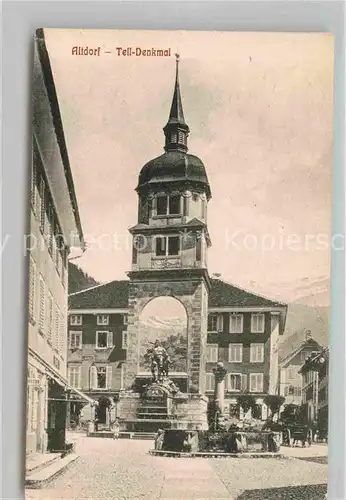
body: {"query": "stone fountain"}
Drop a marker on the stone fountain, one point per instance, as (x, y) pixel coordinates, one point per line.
(182, 439)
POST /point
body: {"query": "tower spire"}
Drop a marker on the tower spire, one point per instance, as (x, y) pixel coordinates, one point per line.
(176, 130)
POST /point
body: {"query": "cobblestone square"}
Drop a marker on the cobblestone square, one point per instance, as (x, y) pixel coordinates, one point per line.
(123, 469)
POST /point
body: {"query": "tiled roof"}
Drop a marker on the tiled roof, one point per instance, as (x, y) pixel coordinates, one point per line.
(107, 296)
(224, 294)
(287, 352)
(115, 294)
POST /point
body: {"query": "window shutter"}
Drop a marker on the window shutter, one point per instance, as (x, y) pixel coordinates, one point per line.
(56, 330)
(110, 339)
(42, 304)
(79, 377)
(93, 377)
(50, 317)
(32, 285)
(244, 382)
(260, 382)
(109, 377)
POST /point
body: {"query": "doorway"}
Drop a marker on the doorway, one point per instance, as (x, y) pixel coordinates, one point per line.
(102, 411)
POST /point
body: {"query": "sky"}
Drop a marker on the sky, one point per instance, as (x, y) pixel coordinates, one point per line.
(260, 111)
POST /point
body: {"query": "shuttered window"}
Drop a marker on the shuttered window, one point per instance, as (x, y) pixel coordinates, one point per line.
(101, 340)
(236, 323)
(55, 339)
(235, 353)
(42, 190)
(256, 382)
(62, 335)
(236, 382)
(109, 377)
(93, 377)
(256, 353)
(33, 181)
(215, 322)
(74, 376)
(75, 340)
(102, 319)
(257, 323)
(212, 353)
(209, 381)
(76, 319)
(50, 318)
(32, 288)
(42, 306)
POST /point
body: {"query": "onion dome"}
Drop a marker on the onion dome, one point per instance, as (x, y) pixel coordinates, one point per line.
(176, 164)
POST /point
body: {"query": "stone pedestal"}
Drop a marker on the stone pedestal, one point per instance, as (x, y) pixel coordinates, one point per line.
(183, 412)
(90, 427)
(127, 408)
(190, 412)
(219, 394)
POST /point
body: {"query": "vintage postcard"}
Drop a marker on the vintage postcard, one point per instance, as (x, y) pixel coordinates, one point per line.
(179, 265)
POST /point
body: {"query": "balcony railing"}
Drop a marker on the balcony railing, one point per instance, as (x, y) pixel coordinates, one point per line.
(166, 263)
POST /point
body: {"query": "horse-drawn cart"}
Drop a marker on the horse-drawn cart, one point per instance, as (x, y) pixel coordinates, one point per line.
(294, 433)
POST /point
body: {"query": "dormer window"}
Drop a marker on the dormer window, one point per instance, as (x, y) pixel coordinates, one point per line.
(168, 205)
(174, 138)
(181, 137)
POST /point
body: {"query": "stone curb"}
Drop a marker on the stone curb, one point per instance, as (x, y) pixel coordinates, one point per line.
(43, 477)
(179, 454)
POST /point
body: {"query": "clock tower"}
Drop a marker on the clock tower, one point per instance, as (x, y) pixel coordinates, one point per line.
(170, 243)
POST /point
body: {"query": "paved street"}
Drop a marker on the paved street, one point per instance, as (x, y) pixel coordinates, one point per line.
(124, 470)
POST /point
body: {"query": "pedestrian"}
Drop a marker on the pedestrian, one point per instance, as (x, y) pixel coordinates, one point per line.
(116, 429)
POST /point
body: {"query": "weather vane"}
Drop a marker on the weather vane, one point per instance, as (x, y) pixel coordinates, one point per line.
(177, 56)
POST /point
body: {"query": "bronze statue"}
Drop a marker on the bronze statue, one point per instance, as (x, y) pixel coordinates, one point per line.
(159, 361)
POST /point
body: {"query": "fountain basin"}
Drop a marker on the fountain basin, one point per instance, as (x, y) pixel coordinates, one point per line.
(232, 442)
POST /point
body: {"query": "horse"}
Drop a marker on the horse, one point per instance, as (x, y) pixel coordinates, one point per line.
(159, 367)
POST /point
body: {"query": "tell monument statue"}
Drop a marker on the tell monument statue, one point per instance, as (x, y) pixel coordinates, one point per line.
(159, 361)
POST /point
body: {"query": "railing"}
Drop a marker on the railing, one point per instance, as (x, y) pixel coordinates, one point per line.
(167, 263)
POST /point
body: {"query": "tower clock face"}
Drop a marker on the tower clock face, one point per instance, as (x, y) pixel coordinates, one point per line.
(139, 241)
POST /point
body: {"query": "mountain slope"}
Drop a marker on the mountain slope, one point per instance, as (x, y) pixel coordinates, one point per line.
(78, 279)
(301, 317)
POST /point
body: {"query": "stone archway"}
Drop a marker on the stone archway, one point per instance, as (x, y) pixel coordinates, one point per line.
(165, 319)
(193, 296)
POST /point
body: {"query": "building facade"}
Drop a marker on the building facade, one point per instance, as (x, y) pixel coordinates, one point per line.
(169, 259)
(97, 345)
(243, 332)
(290, 379)
(315, 378)
(54, 223)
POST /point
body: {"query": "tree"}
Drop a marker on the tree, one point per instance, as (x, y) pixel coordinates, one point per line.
(274, 403)
(246, 401)
(79, 280)
(293, 414)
